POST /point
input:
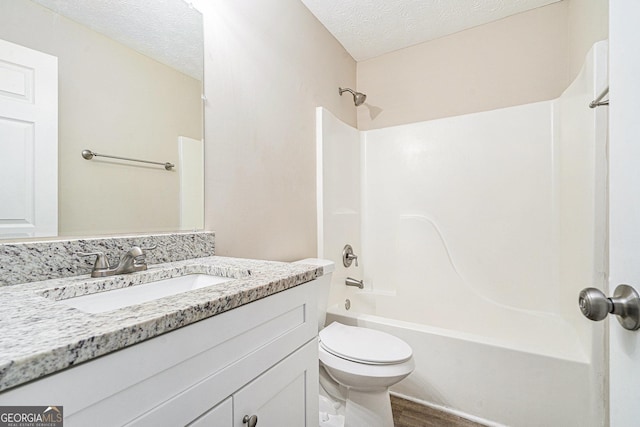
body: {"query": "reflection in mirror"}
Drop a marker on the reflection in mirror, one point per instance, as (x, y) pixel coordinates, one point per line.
(129, 85)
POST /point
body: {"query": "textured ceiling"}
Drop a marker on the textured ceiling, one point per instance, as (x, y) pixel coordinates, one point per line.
(369, 28)
(169, 31)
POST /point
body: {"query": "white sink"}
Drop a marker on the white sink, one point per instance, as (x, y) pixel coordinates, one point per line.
(125, 297)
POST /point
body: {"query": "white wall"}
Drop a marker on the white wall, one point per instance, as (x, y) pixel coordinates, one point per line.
(472, 193)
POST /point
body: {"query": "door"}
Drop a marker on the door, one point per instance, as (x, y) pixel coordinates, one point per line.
(624, 203)
(28, 142)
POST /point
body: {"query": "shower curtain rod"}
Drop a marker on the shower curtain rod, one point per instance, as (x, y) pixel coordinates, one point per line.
(598, 101)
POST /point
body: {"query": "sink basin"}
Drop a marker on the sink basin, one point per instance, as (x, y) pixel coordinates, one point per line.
(118, 298)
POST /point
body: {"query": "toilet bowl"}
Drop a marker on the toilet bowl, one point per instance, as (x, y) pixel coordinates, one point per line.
(364, 363)
(360, 358)
(361, 363)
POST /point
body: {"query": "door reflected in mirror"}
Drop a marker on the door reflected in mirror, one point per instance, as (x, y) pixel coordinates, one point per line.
(129, 85)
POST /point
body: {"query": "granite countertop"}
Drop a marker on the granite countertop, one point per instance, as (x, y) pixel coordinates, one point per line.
(41, 335)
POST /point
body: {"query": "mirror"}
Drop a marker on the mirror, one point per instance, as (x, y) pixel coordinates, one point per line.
(130, 78)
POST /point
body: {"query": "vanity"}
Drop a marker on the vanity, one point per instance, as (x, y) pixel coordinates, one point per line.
(239, 352)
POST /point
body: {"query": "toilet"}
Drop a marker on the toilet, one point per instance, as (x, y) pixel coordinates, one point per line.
(357, 366)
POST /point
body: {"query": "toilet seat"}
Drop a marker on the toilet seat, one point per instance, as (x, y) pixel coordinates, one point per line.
(363, 345)
(363, 376)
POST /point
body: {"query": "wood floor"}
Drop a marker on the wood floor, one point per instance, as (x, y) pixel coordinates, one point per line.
(410, 414)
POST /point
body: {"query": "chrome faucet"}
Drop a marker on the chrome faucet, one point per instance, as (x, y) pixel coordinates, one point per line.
(134, 260)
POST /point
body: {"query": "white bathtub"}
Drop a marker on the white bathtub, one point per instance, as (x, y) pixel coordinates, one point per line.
(523, 380)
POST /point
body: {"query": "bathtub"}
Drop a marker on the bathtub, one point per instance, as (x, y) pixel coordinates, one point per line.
(475, 234)
(523, 380)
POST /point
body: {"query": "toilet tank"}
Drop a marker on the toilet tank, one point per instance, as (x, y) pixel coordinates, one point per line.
(324, 284)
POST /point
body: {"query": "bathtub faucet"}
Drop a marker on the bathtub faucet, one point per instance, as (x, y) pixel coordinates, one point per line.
(353, 282)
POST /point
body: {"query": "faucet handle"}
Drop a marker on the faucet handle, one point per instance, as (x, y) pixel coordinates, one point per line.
(135, 258)
(142, 256)
(101, 259)
(100, 266)
(348, 256)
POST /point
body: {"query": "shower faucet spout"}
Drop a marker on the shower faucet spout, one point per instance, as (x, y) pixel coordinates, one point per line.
(354, 282)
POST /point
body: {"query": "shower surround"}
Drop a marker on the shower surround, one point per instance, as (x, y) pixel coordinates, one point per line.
(475, 234)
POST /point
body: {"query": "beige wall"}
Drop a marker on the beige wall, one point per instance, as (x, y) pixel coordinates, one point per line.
(268, 65)
(112, 100)
(516, 60)
(529, 57)
(588, 22)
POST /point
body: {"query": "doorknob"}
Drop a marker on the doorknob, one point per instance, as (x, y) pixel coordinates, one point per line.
(625, 304)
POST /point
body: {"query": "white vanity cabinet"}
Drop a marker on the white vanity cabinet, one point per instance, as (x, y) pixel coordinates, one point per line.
(276, 398)
(259, 359)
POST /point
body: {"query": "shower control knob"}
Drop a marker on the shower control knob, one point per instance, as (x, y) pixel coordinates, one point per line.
(348, 256)
(625, 304)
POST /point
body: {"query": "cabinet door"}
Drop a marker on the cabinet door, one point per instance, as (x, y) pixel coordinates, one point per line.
(285, 395)
(220, 416)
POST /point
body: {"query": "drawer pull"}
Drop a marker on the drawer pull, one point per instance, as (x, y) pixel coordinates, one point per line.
(252, 420)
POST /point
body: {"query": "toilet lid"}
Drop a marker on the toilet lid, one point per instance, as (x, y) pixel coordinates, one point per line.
(364, 345)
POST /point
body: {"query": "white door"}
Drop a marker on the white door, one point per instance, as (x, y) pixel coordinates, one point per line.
(28, 142)
(624, 205)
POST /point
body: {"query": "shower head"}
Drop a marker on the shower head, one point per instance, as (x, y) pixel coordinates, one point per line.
(358, 97)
